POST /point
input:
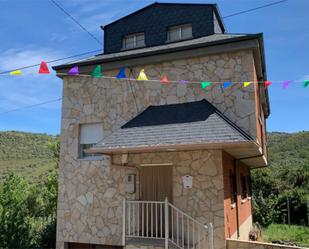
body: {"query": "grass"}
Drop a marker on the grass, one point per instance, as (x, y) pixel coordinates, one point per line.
(297, 234)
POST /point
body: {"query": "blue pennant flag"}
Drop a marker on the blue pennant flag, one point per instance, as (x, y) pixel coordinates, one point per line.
(122, 73)
(226, 84)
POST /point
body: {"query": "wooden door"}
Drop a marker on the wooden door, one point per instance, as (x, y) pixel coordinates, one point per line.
(156, 185)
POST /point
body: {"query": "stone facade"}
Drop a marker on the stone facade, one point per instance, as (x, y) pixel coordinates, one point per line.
(91, 191)
(238, 244)
(204, 201)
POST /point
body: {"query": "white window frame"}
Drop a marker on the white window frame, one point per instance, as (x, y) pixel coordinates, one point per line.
(180, 30)
(135, 45)
(85, 145)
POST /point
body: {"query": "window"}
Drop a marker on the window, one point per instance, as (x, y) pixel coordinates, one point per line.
(133, 41)
(180, 32)
(233, 187)
(243, 187)
(249, 186)
(90, 134)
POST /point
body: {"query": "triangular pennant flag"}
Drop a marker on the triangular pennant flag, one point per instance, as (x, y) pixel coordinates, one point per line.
(122, 73)
(43, 68)
(226, 84)
(286, 83)
(306, 83)
(205, 84)
(97, 72)
(16, 72)
(184, 81)
(247, 83)
(142, 75)
(267, 83)
(164, 79)
(73, 71)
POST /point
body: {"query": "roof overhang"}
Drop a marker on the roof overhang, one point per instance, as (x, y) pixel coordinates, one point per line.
(248, 152)
(153, 55)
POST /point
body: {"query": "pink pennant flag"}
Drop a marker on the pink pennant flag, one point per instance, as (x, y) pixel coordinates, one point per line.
(164, 79)
(267, 83)
(286, 83)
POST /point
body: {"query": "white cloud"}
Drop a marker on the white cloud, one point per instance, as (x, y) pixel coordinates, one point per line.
(16, 58)
(30, 87)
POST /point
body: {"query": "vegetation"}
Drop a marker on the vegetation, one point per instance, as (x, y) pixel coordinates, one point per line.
(27, 207)
(275, 232)
(285, 183)
(28, 189)
(27, 154)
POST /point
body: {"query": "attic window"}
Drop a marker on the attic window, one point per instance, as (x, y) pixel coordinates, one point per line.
(133, 41)
(179, 32)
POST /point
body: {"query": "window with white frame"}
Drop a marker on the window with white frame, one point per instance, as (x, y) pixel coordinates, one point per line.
(179, 32)
(133, 41)
(90, 134)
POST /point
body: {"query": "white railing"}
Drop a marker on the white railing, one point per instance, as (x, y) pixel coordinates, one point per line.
(163, 221)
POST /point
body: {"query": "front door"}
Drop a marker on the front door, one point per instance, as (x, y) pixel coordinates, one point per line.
(156, 185)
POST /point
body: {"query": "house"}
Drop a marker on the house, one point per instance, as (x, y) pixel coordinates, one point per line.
(157, 165)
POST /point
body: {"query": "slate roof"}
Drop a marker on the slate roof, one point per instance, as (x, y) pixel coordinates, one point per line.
(176, 124)
(210, 40)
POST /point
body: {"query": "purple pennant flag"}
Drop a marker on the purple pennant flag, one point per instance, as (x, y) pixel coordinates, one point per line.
(286, 83)
(184, 81)
(74, 71)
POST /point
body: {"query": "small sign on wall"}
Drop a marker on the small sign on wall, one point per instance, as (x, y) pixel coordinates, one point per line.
(130, 183)
(187, 181)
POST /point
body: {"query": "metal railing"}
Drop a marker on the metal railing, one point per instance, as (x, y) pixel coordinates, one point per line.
(163, 221)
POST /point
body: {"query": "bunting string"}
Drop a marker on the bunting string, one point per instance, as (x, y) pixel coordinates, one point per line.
(97, 73)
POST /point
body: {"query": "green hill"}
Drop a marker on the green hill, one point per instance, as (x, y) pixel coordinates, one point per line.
(288, 149)
(27, 154)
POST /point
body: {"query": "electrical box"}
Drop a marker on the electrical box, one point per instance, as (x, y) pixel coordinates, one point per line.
(130, 183)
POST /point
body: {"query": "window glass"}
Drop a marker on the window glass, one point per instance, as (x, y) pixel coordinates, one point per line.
(174, 34)
(90, 134)
(179, 32)
(140, 40)
(133, 41)
(186, 31)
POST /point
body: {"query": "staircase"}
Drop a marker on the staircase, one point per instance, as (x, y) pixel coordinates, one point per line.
(162, 222)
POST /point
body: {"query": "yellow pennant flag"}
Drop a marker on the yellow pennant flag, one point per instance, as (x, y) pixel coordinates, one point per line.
(142, 75)
(247, 83)
(16, 72)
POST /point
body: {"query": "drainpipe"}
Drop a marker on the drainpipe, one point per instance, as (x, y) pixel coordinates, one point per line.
(236, 186)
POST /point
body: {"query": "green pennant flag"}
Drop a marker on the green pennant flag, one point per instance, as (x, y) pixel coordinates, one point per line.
(306, 83)
(97, 72)
(205, 84)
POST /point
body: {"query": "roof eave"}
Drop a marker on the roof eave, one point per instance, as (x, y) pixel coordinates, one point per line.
(163, 51)
(237, 149)
(219, 18)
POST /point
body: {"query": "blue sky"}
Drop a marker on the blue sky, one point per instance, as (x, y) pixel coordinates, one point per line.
(35, 30)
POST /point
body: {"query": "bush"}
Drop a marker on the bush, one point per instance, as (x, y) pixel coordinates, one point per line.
(28, 213)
